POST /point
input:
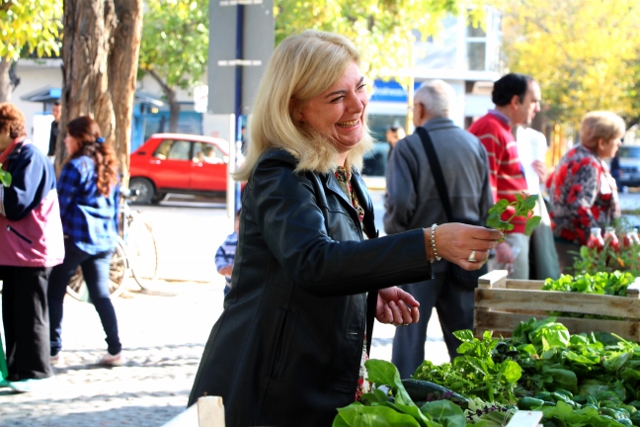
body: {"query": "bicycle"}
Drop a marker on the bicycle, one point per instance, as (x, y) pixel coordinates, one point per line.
(135, 256)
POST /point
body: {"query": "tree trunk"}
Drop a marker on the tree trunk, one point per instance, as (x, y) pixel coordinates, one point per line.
(172, 99)
(174, 111)
(6, 86)
(100, 58)
(123, 68)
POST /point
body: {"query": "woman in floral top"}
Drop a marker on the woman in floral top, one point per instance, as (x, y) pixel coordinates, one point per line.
(582, 190)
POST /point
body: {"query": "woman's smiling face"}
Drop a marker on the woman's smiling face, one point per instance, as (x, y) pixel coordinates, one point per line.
(338, 112)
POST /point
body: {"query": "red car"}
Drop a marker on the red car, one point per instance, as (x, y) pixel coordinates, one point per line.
(179, 163)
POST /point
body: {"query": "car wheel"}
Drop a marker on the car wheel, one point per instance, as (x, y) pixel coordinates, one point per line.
(145, 190)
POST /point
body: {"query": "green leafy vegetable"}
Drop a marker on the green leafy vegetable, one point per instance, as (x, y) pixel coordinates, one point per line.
(474, 372)
(522, 206)
(5, 177)
(601, 283)
(395, 407)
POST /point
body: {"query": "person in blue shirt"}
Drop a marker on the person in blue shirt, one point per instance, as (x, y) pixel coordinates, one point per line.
(226, 254)
(89, 193)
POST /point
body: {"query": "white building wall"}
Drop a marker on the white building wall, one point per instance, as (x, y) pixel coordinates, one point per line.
(35, 75)
(445, 57)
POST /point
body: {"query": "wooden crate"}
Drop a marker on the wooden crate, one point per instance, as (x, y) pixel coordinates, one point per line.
(501, 304)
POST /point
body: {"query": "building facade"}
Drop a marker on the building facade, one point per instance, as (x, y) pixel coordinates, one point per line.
(466, 57)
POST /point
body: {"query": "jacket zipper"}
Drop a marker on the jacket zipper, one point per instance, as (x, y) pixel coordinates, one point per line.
(14, 231)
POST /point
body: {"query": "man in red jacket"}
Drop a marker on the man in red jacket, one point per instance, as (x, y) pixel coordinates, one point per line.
(517, 100)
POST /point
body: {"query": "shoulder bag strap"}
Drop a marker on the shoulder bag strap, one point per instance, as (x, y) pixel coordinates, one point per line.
(436, 170)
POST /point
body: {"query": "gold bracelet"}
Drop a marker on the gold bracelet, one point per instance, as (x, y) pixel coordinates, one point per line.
(436, 257)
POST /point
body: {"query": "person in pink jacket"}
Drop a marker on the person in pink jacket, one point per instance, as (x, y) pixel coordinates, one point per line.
(31, 242)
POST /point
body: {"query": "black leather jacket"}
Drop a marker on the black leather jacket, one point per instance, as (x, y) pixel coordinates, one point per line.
(286, 350)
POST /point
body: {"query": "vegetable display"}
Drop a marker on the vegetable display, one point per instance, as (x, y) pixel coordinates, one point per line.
(602, 283)
(615, 254)
(576, 380)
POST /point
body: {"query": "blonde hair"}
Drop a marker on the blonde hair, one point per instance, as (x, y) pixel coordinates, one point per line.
(598, 125)
(301, 67)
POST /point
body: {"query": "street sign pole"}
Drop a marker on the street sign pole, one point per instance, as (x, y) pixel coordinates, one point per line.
(235, 69)
(238, 103)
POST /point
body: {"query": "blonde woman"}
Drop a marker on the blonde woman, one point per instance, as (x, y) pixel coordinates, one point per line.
(309, 275)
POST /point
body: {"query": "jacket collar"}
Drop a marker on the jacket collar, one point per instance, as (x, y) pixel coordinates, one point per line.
(438, 123)
(331, 183)
(359, 187)
(13, 150)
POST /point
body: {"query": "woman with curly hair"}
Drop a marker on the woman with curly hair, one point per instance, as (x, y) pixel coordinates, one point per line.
(30, 245)
(89, 194)
(582, 191)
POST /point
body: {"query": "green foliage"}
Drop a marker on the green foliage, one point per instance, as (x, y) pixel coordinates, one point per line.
(475, 373)
(175, 40)
(575, 380)
(5, 177)
(585, 63)
(389, 404)
(522, 206)
(602, 283)
(33, 25)
(608, 260)
(383, 30)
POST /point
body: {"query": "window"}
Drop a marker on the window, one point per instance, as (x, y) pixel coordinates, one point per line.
(179, 150)
(170, 149)
(163, 149)
(476, 55)
(475, 31)
(207, 153)
(483, 43)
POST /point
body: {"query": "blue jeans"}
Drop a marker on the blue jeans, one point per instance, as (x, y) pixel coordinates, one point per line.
(95, 269)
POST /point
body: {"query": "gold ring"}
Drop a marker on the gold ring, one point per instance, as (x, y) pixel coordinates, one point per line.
(405, 324)
(472, 257)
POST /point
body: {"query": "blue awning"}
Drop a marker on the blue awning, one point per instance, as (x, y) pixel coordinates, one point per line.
(46, 94)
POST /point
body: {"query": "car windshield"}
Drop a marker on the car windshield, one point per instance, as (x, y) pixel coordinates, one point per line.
(629, 151)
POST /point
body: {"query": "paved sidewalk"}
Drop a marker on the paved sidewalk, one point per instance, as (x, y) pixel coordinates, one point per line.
(163, 339)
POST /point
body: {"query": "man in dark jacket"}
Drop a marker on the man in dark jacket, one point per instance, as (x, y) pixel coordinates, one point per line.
(412, 201)
(53, 134)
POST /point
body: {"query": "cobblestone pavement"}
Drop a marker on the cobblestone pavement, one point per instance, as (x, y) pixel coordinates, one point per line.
(163, 339)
